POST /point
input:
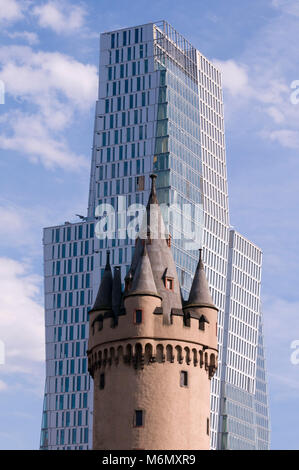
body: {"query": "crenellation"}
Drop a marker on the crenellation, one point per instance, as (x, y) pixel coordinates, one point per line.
(146, 353)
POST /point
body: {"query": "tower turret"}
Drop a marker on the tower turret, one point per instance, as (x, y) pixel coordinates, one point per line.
(151, 365)
(200, 305)
(200, 295)
(104, 297)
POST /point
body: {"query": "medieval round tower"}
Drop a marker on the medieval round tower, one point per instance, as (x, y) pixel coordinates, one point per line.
(152, 355)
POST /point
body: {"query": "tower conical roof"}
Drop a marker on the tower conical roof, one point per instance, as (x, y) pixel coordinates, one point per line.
(200, 295)
(143, 281)
(152, 226)
(104, 296)
(160, 259)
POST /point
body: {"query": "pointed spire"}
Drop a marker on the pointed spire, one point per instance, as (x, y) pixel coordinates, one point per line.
(104, 297)
(116, 290)
(152, 226)
(153, 194)
(200, 295)
(143, 281)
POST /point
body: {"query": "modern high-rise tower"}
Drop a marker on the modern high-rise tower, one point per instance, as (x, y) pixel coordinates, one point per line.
(159, 108)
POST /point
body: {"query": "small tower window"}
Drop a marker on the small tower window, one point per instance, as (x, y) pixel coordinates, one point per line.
(184, 378)
(102, 381)
(138, 316)
(208, 426)
(169, 283)
(187, 320)
(139, 418)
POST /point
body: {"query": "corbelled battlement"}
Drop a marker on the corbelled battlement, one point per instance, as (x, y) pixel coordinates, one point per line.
(142, 353)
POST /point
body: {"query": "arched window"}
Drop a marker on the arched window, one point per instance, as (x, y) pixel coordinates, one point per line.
(138, 354)
(148, 353)
(169, 354)
(179, 354)
(159, 353)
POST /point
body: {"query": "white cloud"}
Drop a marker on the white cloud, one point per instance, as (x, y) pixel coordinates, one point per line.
(286, 137)
(10, 11)
(36, 76)
(14, 226)
(21, 226)
(258, 92)
(276, 114)
(281, 321)
(58, 87)
(3, 386)
(234, 77)
(29, 133)
(30, 37)
(62, 17)
(242, 81)
(21, 316)
(288, 6)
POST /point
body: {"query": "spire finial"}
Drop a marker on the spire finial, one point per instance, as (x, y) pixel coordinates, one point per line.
(200, 261)
(144, 253)
(153, 177)
(107, 258)
(153, 193)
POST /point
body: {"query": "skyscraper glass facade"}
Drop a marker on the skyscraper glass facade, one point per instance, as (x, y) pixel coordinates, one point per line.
(159, 109)
(261, 396)
(68, 270)
(239, 383)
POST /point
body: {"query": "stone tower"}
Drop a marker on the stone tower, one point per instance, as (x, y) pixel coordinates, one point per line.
(150, 354)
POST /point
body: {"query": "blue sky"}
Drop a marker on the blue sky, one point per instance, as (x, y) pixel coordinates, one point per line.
(48, 62)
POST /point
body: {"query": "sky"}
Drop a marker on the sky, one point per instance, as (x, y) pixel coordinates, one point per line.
(49, 54)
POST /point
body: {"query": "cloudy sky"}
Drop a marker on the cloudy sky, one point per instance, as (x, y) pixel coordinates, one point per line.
(48, 63)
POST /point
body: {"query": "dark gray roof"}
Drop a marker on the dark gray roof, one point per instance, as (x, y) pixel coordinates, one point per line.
(151, 265)
(159, 256)
(200, 295)
(143, 281)
(104, 297)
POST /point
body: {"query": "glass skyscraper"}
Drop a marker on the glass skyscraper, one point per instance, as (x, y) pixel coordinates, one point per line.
(244, 422)
(159, 109)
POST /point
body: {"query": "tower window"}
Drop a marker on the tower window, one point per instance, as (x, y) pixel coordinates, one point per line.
(208, 426)
(102, 381)
(169, 283)
(138, 316)
(184, 378)
(139, 418)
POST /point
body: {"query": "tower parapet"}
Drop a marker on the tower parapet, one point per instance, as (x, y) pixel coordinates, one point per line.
(151, 355)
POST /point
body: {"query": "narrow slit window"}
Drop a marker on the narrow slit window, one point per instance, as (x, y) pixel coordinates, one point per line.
(102, 381)
(139, 418)
(138, 316)
(184, 378)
